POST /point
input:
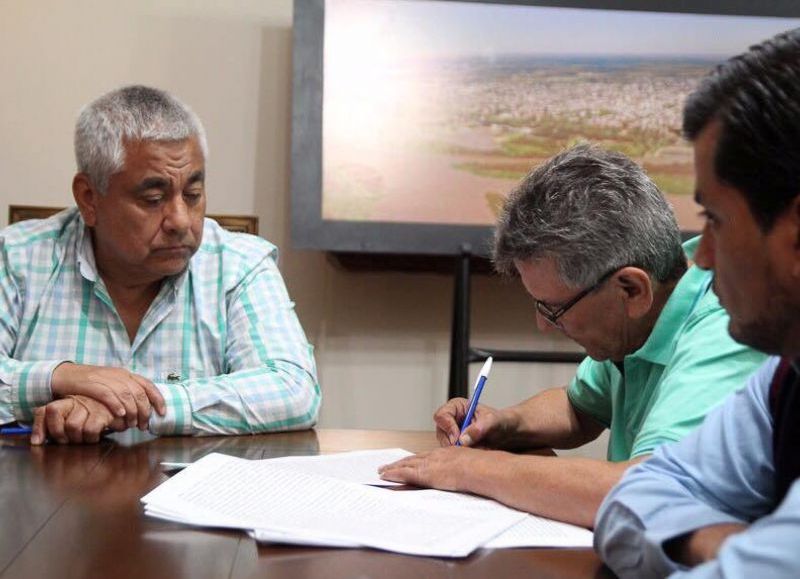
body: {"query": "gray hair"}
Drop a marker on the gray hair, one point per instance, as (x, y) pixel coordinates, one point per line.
(592, 211)
(131, 113)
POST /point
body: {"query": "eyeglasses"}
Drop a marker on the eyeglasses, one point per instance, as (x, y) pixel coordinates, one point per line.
(552, 315)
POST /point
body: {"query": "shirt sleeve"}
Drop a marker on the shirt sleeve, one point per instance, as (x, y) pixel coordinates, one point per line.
(23, 385)
(720, 473)
(270, 379)
(590, 390)
(704, 368)
(767, 549)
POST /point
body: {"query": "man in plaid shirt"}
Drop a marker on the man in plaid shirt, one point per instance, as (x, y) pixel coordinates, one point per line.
(133, 310)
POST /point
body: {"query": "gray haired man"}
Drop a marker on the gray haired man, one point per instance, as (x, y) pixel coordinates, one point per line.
(598, 249)
(133, 310)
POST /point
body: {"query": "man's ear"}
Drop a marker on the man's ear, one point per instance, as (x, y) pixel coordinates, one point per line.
(637, 290)
(85, 198)
(791, 225)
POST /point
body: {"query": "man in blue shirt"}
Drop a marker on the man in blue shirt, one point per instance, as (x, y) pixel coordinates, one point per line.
(725, 501)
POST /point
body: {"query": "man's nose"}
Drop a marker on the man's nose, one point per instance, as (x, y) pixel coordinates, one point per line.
(704, 256)
(176, 216)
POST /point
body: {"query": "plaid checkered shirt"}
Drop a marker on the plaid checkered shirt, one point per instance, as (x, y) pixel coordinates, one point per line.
(221, 341)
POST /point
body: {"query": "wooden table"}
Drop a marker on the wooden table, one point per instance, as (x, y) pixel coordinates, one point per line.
(74, 511)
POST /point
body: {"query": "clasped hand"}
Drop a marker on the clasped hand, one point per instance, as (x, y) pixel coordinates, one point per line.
(90, 399)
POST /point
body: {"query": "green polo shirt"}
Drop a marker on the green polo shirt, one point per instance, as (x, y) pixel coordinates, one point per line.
(687, 366)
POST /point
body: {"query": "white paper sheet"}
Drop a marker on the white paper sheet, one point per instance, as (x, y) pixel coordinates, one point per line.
(220, 490)
(540, 532)
(360, 466)
(533, 531)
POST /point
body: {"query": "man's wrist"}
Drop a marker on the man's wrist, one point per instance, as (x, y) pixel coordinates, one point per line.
(59, 378)
(483, 473)
(178, 417)
(682, 551)
(701, 545)
(512, 428)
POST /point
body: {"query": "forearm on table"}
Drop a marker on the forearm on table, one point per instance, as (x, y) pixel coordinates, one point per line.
(549, 420)
(565, 489)
(702, 545)
(244, 402)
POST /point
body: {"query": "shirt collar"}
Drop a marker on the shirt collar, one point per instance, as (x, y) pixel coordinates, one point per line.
(85, 252)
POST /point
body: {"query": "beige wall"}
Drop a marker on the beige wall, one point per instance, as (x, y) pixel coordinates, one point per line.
(382, 338)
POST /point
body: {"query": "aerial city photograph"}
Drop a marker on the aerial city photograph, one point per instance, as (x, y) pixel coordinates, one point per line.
(431, 106)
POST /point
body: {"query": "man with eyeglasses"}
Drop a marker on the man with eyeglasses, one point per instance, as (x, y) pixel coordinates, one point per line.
(597, 247)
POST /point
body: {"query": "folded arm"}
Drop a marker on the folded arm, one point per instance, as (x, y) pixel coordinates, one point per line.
(765, 548)
(270, 378)
(693, 499)
(23, 385)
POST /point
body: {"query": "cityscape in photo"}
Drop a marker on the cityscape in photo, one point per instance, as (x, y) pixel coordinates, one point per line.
(453, 103)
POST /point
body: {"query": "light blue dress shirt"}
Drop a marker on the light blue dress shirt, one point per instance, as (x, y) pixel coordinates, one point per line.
(721, 473)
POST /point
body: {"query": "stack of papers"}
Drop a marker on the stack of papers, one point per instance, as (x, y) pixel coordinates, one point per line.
(328, 501)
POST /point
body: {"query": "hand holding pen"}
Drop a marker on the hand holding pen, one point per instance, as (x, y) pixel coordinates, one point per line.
(450, 417)
(476, 395)
(440, 468)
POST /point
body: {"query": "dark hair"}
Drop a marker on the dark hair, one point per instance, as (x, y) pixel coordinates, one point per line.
(591, 210)
(756, 99)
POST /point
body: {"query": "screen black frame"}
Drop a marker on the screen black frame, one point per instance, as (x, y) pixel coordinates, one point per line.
(310, 231)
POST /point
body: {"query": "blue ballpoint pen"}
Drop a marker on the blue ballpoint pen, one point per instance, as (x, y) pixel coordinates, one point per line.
(473, 403)
(16, 430)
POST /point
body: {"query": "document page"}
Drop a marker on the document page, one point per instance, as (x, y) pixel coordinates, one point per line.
(540, 532)
(219, 490)
(360, 466)
(532, 531)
